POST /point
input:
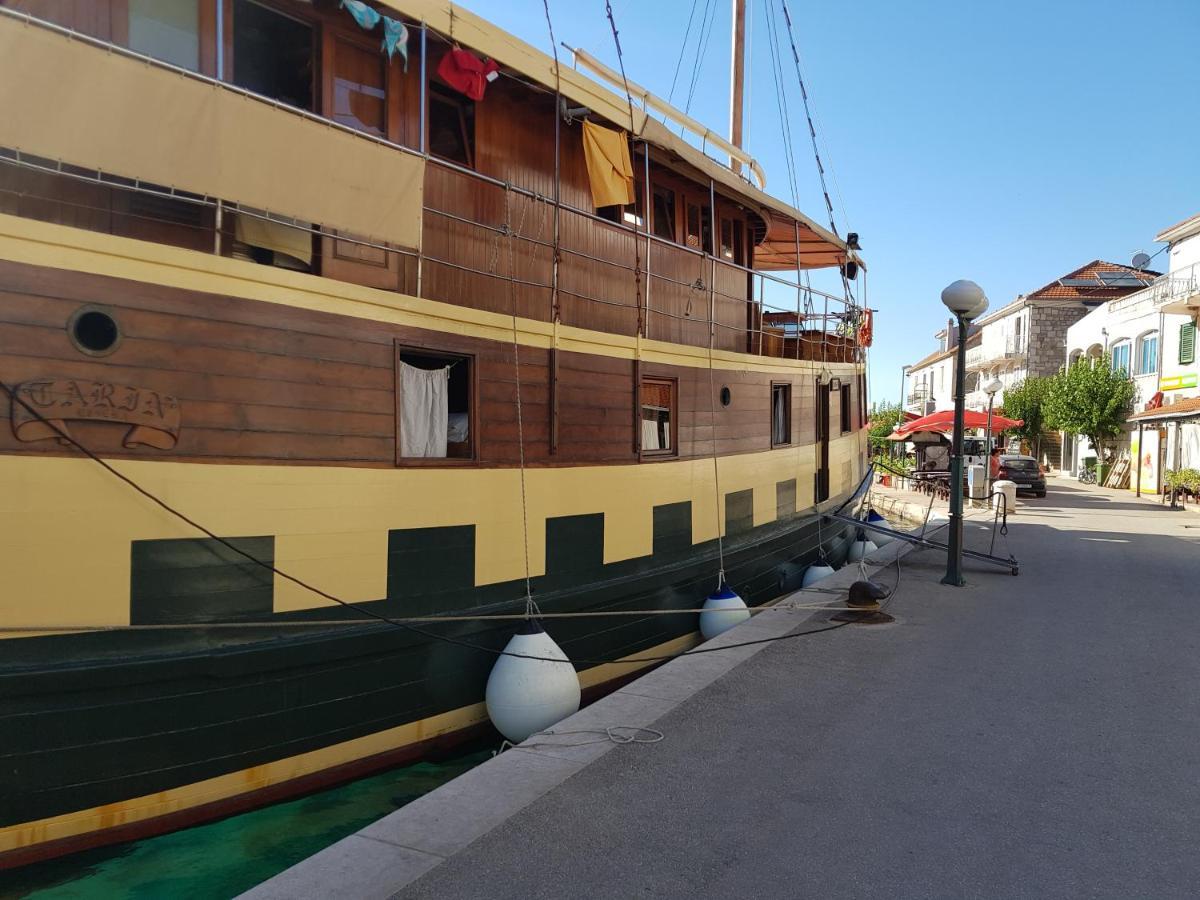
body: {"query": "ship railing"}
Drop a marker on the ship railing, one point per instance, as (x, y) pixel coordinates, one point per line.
(827, 319)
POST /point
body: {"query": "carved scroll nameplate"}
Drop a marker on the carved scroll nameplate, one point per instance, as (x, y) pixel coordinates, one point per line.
(154, 416)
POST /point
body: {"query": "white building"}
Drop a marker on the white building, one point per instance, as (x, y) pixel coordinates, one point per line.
(1167, 423)
(1026, 337)
(929, 383)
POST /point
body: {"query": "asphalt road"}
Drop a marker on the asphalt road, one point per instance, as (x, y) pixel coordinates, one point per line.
(1036, 736)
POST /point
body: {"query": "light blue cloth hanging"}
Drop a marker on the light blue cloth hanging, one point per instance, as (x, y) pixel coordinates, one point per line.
(363, 14)
(395, 39)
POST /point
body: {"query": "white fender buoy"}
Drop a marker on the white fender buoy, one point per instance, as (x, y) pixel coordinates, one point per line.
(874, 518)
(860, 549)
(525, 696)
(722, 610)
(815, 573)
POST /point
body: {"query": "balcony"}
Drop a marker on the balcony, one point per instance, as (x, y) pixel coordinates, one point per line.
(916, 400)
(1175, 292)
(985, 356)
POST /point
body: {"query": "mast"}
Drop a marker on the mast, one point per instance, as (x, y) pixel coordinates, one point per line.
(737, 78)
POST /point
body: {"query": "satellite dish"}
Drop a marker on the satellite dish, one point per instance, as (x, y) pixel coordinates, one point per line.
(1141, 260)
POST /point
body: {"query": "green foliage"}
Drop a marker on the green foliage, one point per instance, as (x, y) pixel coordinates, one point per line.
(1026, 401)
(884, 417)
(1090, 399)
(1183, 480)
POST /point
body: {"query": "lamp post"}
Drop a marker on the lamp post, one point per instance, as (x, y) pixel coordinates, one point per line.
(991, 389)
(967, 301)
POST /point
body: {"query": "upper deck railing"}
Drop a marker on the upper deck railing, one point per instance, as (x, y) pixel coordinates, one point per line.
(1173, 288)
(720, 303)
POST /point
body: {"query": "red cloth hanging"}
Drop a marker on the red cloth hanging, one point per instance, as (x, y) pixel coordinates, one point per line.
(466, 72)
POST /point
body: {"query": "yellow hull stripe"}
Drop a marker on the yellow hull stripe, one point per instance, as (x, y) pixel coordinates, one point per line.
(331, 524)
(62, 247)
(234, 784)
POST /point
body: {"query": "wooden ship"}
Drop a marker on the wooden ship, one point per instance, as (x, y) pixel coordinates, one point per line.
(381, 321)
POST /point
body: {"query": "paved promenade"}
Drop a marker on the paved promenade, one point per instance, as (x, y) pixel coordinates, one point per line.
(1036, 736)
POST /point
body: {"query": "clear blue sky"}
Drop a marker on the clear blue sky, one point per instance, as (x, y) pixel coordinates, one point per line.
(1005, 142)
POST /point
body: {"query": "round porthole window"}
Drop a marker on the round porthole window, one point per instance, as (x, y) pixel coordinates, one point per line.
(94, 331)
(726, 396)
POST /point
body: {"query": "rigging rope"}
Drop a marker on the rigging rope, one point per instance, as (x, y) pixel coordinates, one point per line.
(682, 50)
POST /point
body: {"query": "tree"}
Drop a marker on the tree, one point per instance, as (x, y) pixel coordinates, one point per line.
(1091, 399)
(1026, 401)
(883, 419)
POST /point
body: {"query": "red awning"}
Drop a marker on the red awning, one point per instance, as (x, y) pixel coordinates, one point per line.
(943, 421)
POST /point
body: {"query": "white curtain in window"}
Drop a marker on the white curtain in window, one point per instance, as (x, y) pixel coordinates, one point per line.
(780, 422)
(424, 410)
(650, 435)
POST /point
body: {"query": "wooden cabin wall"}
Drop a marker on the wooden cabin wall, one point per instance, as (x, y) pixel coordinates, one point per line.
(473, 262)
(259, 382)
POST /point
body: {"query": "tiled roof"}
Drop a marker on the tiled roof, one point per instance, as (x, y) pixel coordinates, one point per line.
(1056, 290)
(972, 341)
(1175, 410)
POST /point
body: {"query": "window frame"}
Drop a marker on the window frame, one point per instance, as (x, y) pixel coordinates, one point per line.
(657, 188)
(399, 348)
(846, 408)
(1141, 352)
(673, 384)
(786, 388)
(447, 95)
(1127, 346)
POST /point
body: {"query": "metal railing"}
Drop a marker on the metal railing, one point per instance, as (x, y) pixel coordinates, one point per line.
(1174, 287)
(822, 325)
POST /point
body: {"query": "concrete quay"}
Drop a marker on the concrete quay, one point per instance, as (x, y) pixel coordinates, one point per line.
(1019, 737)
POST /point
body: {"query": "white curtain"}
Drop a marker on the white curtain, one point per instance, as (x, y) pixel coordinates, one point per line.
(780, 421)
(424, 410)
(650, 435)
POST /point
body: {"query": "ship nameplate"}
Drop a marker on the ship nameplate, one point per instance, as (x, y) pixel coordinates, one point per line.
(44, 406)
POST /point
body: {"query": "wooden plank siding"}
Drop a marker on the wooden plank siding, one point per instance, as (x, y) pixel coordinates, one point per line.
(261, 383)
(470, 259)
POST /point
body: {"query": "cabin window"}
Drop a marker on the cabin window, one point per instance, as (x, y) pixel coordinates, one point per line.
(451, 127)
(781, 414)
(628, 214)
(845, 398)
(166, 29)
(434, 394)
(733, 242)
(658, 416)
(359, 87)
(273, 54)
(664, 213)
(692, 237)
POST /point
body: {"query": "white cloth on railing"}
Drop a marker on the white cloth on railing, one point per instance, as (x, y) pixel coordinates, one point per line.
(424, 412)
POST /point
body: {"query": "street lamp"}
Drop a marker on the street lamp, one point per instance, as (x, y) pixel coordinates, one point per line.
(967, 301)
(992, 388)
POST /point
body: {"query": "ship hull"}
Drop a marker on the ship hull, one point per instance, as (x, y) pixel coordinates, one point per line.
(137, 733)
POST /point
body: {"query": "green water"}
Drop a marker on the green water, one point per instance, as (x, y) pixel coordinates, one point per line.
(224, 858)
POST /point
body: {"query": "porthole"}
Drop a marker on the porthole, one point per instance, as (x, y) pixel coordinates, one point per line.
(726, 396)
(94, 331)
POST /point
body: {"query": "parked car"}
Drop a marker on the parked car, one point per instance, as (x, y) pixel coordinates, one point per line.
(1024, 472)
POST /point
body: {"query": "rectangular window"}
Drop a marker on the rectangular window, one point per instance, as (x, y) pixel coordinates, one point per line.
(434, 398)
(657, 398)
(727, 239)
(692, 238)
(1120, 358)
(359, 87)
(273, 54)
(845, 398)
(451, 127)
(1187, 343)
(733, 245)
(781, 414)
(166, 29)
(1148, 355)
(664, 213)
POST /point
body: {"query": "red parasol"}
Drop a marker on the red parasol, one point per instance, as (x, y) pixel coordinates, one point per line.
(943, 421)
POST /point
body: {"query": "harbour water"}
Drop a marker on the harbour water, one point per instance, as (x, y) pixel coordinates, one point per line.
(225, 858)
